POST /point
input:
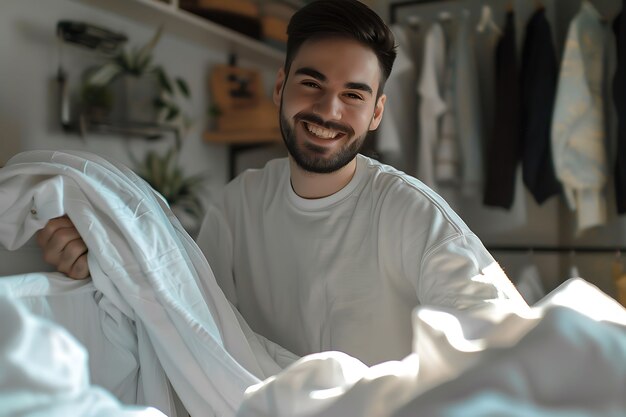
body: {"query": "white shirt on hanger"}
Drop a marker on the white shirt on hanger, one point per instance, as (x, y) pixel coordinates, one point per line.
(397, 133)
(432, 106)
(578, 130)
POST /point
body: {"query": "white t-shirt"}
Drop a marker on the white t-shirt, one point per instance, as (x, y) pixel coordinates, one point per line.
(344, 272)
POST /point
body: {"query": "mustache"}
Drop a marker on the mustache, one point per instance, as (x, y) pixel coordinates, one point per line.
(315, 119)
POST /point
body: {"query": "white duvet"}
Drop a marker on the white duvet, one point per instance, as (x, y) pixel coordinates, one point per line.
(153, 314)
(566, 357)
(44, 371)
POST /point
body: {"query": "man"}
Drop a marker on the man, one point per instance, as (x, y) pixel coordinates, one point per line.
(328, 249)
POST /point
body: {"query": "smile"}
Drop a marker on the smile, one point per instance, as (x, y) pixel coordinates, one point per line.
(321, 132)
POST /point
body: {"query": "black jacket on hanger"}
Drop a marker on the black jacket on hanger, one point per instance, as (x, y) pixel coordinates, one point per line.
(503, 147)
(538, 88)
(619, 97)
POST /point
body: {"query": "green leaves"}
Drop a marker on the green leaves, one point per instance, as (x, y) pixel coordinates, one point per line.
(144, 55)
(139, 63)
(183, 87)
(164, 80)
(105, 74)
(169, 92)
(164, 174)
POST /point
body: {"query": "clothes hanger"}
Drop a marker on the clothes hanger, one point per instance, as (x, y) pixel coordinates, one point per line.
(444, 16)
(605, 16)
(445, 19)
(617, 267)
(530, 256)
(529, 280)
(414, 22)
(573, 268)
(486, 20)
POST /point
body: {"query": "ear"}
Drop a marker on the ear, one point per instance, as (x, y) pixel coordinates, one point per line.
(378, 112)
(278, 86)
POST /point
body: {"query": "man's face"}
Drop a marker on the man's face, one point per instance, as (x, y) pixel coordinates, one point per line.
(328, 102)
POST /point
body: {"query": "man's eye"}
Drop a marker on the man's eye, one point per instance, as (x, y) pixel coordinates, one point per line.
(354, 96)
(310, 84)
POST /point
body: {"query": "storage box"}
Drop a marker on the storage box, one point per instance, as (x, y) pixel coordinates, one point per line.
(235, 87)
(263, 116)
(240, 7)
(274, 28)
(238, 94)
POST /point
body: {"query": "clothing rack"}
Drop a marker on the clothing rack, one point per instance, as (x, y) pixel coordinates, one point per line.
(398, 12)
(557, 249)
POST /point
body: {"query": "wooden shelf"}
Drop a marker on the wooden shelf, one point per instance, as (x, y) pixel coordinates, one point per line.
(191, 27)
(244, 137)
(242, 141)
(145, 130)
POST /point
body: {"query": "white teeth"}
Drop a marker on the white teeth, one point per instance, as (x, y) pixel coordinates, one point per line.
(321, 132)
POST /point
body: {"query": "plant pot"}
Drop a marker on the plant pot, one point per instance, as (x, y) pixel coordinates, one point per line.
(136, 97)
(96, 102)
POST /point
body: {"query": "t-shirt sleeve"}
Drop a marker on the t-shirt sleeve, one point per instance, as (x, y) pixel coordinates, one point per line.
(459, 272)
(216, 243)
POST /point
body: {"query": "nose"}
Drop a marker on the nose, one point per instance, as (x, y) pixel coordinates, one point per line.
(329, 107)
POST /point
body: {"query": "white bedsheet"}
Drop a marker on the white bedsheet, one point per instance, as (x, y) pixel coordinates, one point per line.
(162, 317)
(566, 357)
(44, 372)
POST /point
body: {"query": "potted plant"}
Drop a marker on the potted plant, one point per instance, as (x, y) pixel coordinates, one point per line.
(150, 94)
(96, 102)
(165, 175)
(141, 78)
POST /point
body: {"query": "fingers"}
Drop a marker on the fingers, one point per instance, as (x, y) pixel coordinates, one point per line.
(73, 259)
(64, 248)
(45, 234)
(80, 268)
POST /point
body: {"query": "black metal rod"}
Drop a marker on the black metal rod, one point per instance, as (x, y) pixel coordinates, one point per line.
(556, 249)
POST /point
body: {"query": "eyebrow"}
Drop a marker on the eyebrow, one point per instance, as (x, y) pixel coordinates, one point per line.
(321, 77)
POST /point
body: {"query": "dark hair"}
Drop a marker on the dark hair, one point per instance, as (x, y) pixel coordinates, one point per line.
(342, 18)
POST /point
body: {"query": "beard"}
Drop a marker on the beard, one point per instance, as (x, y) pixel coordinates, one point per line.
(313, 158)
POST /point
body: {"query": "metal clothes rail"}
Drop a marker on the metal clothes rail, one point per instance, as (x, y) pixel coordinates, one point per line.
(573, 249)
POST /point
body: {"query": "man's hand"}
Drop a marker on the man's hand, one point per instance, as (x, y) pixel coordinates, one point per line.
(64, 248)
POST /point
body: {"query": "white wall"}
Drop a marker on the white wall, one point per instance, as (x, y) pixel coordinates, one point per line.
(29, 57)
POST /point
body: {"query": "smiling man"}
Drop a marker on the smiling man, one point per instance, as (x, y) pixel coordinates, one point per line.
(327, 107)
(328, 249)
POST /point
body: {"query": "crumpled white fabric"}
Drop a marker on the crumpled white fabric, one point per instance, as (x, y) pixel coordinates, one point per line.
(44, 371)
(114, 360)
(564, 357)
(146, 270)
(529, 284)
